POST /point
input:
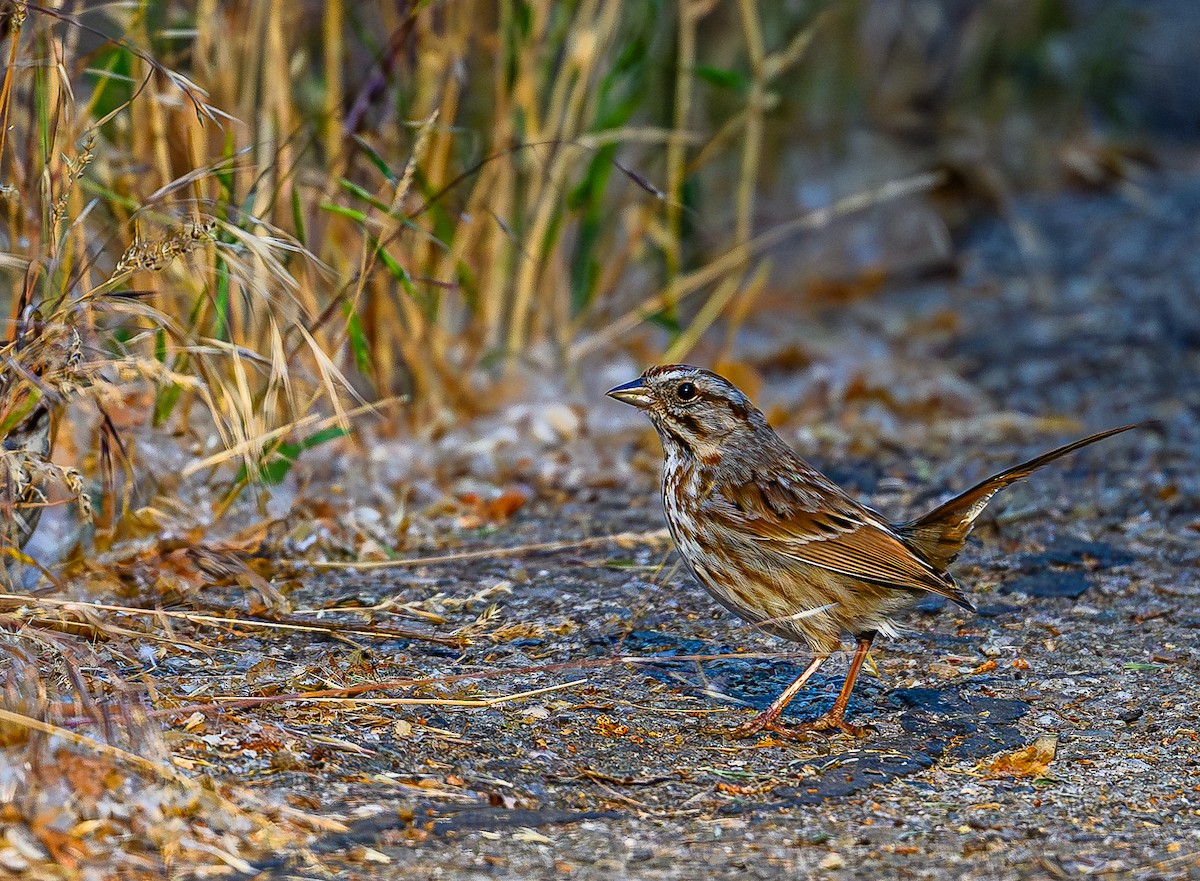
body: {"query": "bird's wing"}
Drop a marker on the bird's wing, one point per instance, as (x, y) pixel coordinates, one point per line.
(814, 522)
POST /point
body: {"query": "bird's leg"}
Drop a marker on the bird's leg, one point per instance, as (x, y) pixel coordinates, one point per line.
(836, 716)
(769, 718)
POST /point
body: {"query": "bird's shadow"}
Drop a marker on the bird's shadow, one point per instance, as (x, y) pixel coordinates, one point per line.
(957, 721)
(751, 682)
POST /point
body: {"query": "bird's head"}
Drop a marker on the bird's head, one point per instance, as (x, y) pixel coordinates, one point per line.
(692, 407)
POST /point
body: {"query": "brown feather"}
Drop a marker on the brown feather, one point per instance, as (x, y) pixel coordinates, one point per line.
(837, 534)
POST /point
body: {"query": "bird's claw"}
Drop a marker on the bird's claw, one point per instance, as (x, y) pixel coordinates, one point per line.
(801, 731)
(751, 728)
(831, 724)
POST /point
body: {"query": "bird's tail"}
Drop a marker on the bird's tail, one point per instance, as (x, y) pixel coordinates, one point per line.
(939, 535)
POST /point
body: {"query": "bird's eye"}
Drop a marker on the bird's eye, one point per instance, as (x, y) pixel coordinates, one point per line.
(686, 391)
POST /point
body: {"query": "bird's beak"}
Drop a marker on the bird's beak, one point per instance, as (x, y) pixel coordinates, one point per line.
(634, 393)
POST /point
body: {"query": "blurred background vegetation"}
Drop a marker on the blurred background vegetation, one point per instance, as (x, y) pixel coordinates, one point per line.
(241, 223)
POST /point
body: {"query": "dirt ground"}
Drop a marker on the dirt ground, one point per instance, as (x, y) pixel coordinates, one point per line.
(1086, 579)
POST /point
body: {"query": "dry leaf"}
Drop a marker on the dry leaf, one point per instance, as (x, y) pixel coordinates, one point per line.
(1032, 761)
(505, 505)
(609, 727)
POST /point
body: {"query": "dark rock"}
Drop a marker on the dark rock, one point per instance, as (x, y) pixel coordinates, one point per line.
(653, 642)
(946, 711)
(885, 761)
(929, 700)
(995, 610)
(1050, 583)
(999, 710)
(1076, 552)
(931, 604)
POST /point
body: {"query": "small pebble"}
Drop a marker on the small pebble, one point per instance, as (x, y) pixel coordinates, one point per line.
(834, 861)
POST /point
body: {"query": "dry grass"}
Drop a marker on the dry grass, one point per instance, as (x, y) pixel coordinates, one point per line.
(59, 789)
(208, 228)
(263, 223)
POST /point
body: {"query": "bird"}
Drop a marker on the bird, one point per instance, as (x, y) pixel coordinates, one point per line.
(780, 545)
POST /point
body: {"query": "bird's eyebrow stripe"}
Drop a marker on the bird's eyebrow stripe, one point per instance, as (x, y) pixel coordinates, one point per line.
(737, 407)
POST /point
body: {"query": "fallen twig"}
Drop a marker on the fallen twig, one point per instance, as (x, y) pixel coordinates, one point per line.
(267, 624)
(651, 537)
(406, 701)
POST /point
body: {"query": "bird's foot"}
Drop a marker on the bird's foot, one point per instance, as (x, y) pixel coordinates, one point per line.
(830, 722)
(837, 722)
(762, 722)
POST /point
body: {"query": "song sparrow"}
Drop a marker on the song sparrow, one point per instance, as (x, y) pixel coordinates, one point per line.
(777, 543)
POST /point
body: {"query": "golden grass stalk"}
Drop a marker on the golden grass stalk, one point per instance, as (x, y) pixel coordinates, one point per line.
(693, 282)
(234, 621)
